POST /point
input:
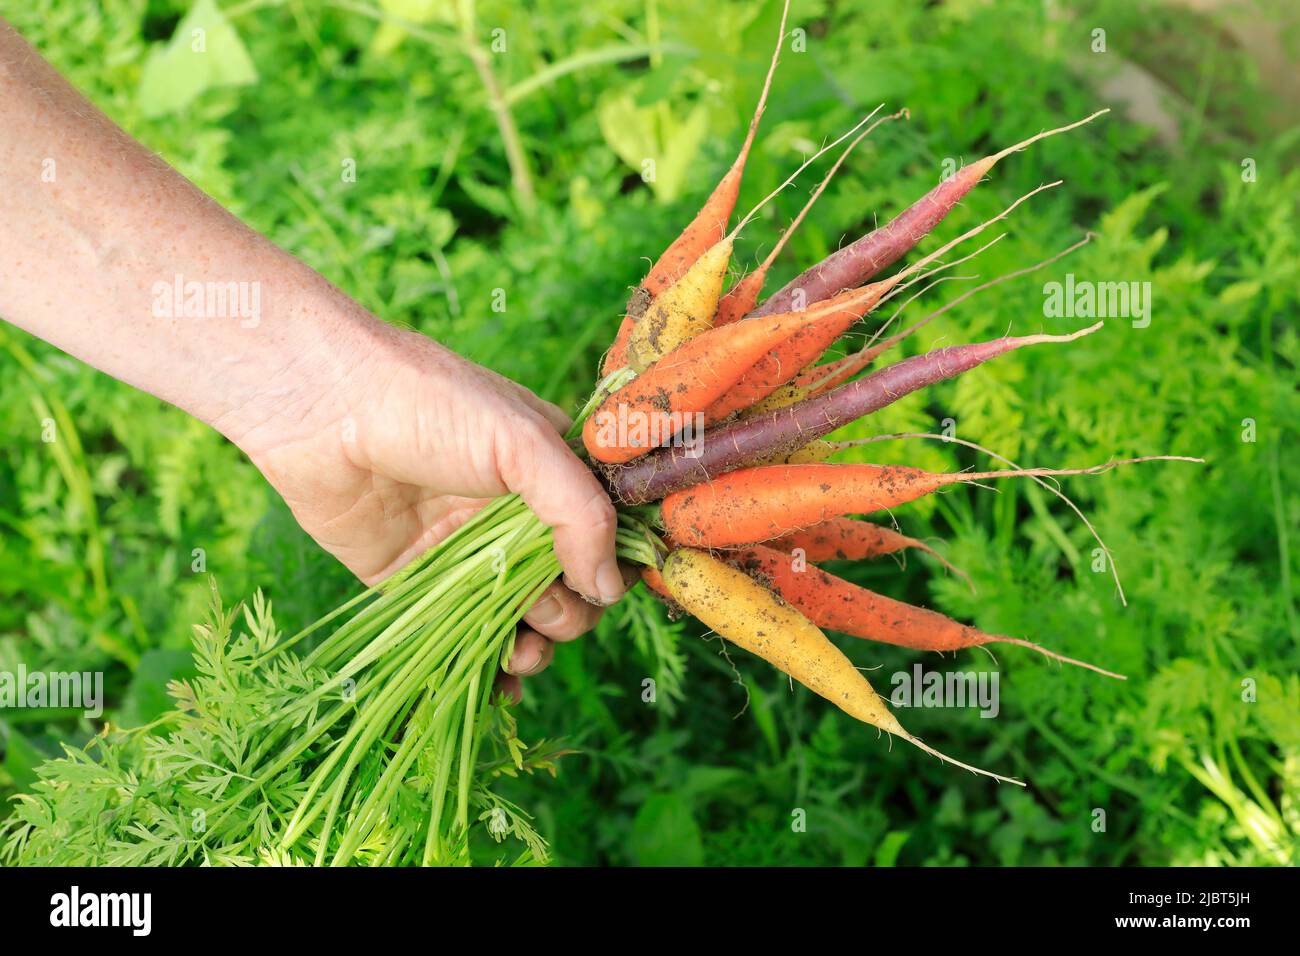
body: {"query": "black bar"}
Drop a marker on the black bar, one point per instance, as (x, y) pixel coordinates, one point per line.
(335, 906)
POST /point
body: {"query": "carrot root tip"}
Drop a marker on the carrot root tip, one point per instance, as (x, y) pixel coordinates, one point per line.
(1046, 652)
(916, 742)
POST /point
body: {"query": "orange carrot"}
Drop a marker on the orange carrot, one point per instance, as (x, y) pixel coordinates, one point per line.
(784, 360)
(758, 504)
(704, 231)
(654, 581)
(743, 296)
(844, 539)
(665, 399)
(831, 602)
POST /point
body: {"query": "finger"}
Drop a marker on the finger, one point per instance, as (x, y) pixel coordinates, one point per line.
(537, 465)
(561, 615)
(548, 410)
(508, 685)
(532, 654)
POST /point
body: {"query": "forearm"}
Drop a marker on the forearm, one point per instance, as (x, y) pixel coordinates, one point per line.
(114, 257)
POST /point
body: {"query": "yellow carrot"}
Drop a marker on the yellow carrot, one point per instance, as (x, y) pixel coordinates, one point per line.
(704, 231)
(686, 308)
(749, 615)
(682, 311)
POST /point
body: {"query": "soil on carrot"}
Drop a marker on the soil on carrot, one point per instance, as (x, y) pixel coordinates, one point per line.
(638, 303)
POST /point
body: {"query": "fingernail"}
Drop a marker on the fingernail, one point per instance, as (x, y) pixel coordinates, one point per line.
(547, 612)
(568, 583)
(524, 664)
(609, 582)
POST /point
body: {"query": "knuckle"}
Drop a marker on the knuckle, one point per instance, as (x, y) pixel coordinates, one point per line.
(598, 513)
(515, 447)
(555, 412)
(562, 626)
(575, 617)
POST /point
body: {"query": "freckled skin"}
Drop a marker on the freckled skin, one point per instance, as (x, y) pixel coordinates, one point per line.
(745, 613)
(380, 441)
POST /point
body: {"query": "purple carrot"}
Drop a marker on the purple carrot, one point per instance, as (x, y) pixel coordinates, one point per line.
(780, 432)
(857, 262)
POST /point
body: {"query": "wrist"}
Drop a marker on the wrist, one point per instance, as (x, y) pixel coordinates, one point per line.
(293, 376)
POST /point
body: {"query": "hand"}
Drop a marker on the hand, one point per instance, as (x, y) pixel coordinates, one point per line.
(381, 441)
(399, 443)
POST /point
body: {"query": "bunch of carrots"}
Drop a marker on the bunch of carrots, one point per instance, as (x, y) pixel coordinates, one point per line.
(711, 420)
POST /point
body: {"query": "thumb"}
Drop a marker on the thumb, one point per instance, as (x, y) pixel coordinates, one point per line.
(535, 463)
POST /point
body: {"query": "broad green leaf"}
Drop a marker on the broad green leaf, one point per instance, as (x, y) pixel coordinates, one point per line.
(205, 52)
(887, 851)
(653, 140)
(1239, 292)
(665, 833)
(21, 759)
(705, 781)
(391, 33)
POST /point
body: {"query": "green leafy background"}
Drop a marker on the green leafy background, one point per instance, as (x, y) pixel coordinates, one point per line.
(1194, 760)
